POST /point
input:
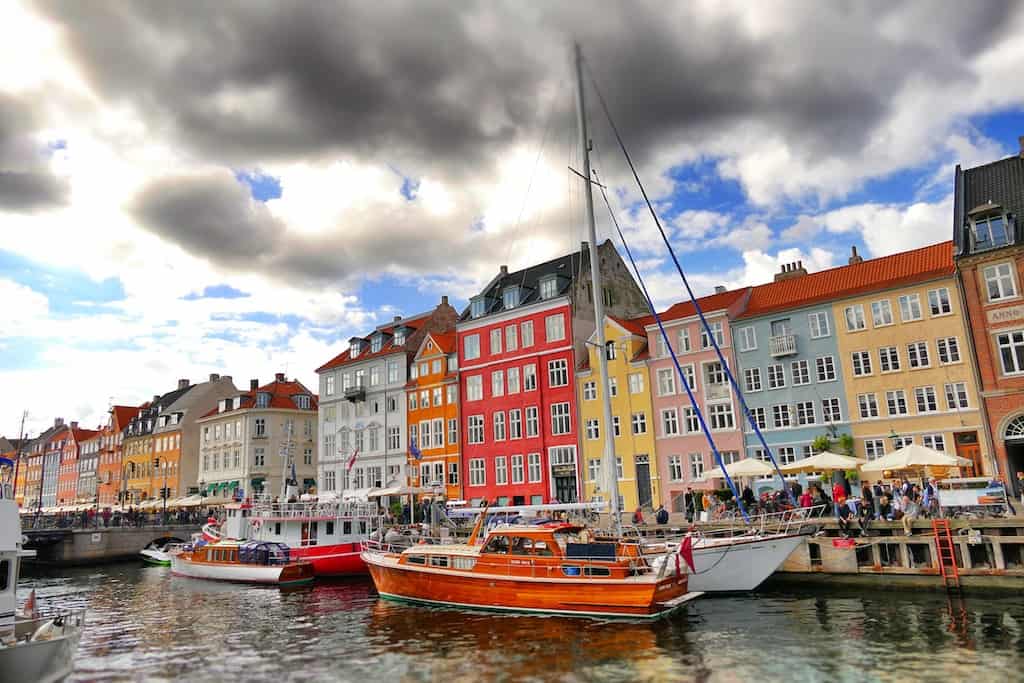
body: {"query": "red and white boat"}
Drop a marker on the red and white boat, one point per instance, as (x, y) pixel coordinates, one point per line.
(326, 533)
(246, 562)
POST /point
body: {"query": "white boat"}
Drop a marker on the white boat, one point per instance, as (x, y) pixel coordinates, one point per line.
(248, 562)
(32, 648)
(159, 554)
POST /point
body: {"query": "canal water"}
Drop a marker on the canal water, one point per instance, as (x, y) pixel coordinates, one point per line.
(144, 624)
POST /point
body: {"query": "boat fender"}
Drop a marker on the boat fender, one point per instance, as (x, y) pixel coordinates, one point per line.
(54, 628)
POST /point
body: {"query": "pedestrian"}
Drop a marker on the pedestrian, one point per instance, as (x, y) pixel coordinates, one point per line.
(688, 503)
(910, 512)
(748, 497)
(661, 516)
(106, 517)
(1020, 485)
(638, 516)
(877, 492)
(867, 501)
(806, 500)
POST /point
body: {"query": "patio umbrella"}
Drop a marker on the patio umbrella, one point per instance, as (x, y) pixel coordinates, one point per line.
(826, 461)
(748, 467)
(914, 457)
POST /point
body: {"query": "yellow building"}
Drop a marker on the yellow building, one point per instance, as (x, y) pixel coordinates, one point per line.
(906, 364)
(632, 415)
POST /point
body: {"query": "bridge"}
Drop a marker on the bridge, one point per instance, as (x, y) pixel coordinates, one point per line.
(66, 547)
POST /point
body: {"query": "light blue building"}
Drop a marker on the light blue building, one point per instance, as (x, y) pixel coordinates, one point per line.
(789, 369)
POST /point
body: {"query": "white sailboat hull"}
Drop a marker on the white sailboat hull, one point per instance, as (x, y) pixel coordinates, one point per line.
(242, 573)
(739, 564)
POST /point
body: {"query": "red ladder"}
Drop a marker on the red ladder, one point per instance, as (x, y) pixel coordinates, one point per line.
(947, 556)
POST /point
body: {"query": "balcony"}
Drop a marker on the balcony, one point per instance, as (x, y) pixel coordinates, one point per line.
(783, 345)
(356, 393)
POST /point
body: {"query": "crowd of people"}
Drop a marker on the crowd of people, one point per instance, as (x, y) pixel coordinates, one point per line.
(107, 517)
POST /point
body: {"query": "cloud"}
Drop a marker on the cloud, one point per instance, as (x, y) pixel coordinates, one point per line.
(22, 305)
(26, 184)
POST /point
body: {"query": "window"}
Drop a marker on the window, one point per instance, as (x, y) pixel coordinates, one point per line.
(471, 346)
(1011, 351)
(511, 338)
(533, 467)
(991, 231)
(495, 341)
(261, 426)
(684, 340)
(558, 373)
(747, 339)
(721, 416)
(949, 350)
(497, 383)
(616, 430)
(435, 366)
(329, 385)
(526, 333)
(780, 416)
(394, 438)
(474, 388)
(636, 383)
(717, 331)
(868, 404)
(938, 301)
(392, 371)
(874, 448)
(259, 457)
(477, 472)
(560, 418)
(529, 377)
(590, 391)
(926, 402)
(639, 421)
(881, 313)
(818, 324)
(659, 346)
(830, 410)
(475, 429)
(453, 473)
(518, 473)
(691, 377)
(713, 374)
(956, 396)
(412, 399)
(896, 402)
(999, 281)
(609, 350)
(889, 359)
(675, 468)
(902, 441)
(776, 376)
(910, 307)
(805, 413)
(554, 327)
(759, 417)
(613, 387)
(453, 431)
(786, 454)
(696, 465)
(510, 297)
(500, 470)
(532, 423)
(855, 318)
(752, 379)
(861, 363)
(499, 425)
(548, 287)
(934, 441)
(669, 422)
(399, 339)
(917, 355)
(826, 367)
(801, 372)
(593, 429)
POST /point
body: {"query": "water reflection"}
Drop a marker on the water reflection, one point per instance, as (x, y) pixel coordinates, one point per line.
(144, 623)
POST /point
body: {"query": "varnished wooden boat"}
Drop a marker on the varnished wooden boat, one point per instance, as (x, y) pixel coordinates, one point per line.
(248, 562)
(553, 568)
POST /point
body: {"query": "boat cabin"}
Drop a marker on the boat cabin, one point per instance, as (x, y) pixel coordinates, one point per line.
(301, 524)
(251, 552)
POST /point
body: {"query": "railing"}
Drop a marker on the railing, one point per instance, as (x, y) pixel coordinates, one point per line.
(782, 345)
(356, 393)
(73, 619)
(301, 510)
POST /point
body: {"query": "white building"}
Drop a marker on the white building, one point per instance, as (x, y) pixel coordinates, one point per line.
(245, 440)
(363, 404)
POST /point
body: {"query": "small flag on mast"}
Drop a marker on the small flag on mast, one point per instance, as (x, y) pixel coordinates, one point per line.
(352, 460)
(415, 451)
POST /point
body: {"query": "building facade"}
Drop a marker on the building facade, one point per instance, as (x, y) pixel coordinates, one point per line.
(89, 450)
(249, 441)
(139, 446)
(110, 466)
(518, 343)
(32, 463)
(683, 452)
(432, 401)
(70, 460)
(906, 366)
(363, 425)
(50, 475)
(988, 238)
(633, 426)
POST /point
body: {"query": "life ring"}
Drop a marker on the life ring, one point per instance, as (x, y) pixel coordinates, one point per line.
(256, 522)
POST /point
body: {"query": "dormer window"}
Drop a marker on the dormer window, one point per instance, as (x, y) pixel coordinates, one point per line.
(375, 343)
(399, 338)
(353, 351)
(510, 297)
(477, 306)
(263, 399)
(991, 230)
(302, 402)
(549, 287)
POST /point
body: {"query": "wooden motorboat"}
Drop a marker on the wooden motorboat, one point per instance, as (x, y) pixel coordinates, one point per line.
(245, 562)
(553, 568)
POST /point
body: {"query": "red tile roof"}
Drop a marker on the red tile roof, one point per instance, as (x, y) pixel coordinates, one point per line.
(281, 393)
(630, 325)
(445, 341)
(917, 265)
(124, 414)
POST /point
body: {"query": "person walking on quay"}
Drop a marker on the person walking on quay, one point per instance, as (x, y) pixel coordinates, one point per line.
(689, 504)
(661, 516)
(106, 517)
(877, 493)
(910, 512)
(867, 499)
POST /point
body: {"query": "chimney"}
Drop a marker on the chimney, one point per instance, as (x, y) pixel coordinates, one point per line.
(790, 271)
(396, 318)
(214, 377)
(74, 424)
(854, 256)
(183, 384)
(254, 384)
(719, 289)
(444, 300)
(156, 397)
(279, 377)
(504, 270)
(58, 422)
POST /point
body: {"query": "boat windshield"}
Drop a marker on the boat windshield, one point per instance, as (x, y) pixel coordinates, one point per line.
(259, 552)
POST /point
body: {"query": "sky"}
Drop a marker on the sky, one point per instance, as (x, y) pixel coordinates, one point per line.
(237, 187)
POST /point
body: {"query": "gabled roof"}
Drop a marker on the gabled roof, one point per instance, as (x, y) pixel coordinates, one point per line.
(123, 414)
(872, 275)
(633, 326)
(387, 347)
(80, 435)
(999, 182)
(567, 267)
(708, 304)
(281, 392)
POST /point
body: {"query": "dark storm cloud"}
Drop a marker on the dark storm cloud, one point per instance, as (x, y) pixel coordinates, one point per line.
(25, 183)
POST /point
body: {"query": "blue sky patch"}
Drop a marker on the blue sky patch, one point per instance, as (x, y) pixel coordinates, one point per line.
(262, 187)
(217, 292)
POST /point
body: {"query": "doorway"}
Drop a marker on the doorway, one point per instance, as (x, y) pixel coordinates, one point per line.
(565, 488)
(643, 481)
(967, 446)
(1015, 463)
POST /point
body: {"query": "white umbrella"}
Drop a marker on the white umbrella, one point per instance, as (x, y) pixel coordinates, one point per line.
(823, 462)
(748, 467)
(914, 457)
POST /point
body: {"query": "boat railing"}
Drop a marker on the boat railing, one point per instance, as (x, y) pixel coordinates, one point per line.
(793, 521)
(72, 618)
(311, 509)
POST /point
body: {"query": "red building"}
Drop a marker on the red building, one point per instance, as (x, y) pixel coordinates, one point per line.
(108, 470)
(518, 342)
(989, 248)
(67, 479)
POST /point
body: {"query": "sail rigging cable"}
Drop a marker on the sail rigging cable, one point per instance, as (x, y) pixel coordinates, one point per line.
(689, 291)
(682, 377)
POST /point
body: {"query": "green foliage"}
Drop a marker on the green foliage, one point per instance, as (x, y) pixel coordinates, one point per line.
(396, 508)
(846, 444)
(723, 494)
(821, 444)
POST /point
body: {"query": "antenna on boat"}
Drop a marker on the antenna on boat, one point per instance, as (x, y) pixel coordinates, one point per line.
(479, 523)
(608, 460)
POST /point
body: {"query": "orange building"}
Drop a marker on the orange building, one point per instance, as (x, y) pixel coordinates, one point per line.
(67, 477)
(108, 471)
(433, 415)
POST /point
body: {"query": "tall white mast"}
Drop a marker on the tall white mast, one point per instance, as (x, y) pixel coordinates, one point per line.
(608, 461)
